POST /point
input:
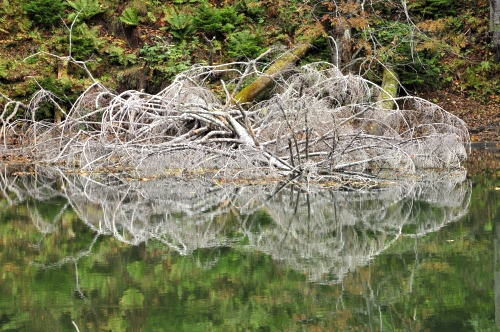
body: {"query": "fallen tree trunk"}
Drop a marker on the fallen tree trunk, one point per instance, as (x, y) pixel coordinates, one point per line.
(252, 91)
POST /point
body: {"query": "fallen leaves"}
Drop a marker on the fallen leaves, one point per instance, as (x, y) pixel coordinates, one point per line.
(482, 119)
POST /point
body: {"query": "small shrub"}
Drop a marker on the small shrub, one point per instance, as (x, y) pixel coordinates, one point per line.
(44, 13)
(63, 89)
(181, 25)
(3, 69)
(215, 20)
(435, 8)
(117, 54)
(86, 41)
(85, 9)
(417, 61)
(289, 16)
(129, 16)
(167, 60)
(245, 44)
(252, 7)
(480, 79)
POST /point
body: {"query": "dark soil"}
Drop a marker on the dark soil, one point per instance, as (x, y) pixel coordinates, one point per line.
(483, 119)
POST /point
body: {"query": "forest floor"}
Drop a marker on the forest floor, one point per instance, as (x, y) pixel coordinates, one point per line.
(483, 119)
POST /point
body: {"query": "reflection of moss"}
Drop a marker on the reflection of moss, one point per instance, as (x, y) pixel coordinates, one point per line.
(260, 219)
(132, 298)
(178, 215)
(409, 229)
(14, 322)
(48, 209)
(244, 289)
(136, 270)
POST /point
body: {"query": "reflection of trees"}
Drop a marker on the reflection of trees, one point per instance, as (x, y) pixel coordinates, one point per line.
(72, 260)
(322, 232)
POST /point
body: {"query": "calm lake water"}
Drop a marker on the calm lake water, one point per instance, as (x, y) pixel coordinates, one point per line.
(99, 253)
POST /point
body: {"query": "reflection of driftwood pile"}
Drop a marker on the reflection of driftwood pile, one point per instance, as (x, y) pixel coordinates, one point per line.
(317, 122)
(326, 233)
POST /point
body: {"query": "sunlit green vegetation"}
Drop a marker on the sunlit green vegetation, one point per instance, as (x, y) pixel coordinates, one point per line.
(431, 44)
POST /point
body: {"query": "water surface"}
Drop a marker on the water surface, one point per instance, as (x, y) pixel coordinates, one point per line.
(111, 254)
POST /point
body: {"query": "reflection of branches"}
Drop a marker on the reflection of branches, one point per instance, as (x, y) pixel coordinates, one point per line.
(324, 232)
(348, 229)
(43, 226)
(71, 259)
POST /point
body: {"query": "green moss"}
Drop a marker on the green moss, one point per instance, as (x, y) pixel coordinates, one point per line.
(390, 87)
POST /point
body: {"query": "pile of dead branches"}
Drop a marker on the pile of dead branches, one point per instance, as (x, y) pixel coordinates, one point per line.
(316, 122)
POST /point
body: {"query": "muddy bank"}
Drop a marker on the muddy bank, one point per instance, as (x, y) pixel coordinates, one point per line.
(483, 119)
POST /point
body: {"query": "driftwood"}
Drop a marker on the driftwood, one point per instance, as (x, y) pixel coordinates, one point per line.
(318, 125)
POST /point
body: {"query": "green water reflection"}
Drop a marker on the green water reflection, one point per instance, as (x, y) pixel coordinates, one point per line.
(173, 255)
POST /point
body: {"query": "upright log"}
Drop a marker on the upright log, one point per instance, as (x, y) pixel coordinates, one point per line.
(390, 86)
(62, 72)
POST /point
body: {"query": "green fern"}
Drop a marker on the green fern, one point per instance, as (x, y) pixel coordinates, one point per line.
(86, 41)
(3, 70)
(7, 9)
(129, 16)
(4, 24)
(45, 13)
(117, 54)
(245, 44)
(86, 9)
(217, 20)
(181, 26)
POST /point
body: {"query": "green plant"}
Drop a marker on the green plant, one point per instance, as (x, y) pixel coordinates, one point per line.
(64, 92)
(416, 61)
(427, 72)
(44, 13)
(85, 9)
(215, 20)
(3, 69)
(481, 80)
(245, 44)
(166, 60)
(7, 10)
(255, 8)
(155, 53)
(151, 17)
(181, 25)
(129, 16)
(117, 54)
(86, 41)
(289, 16)
(435, 8)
